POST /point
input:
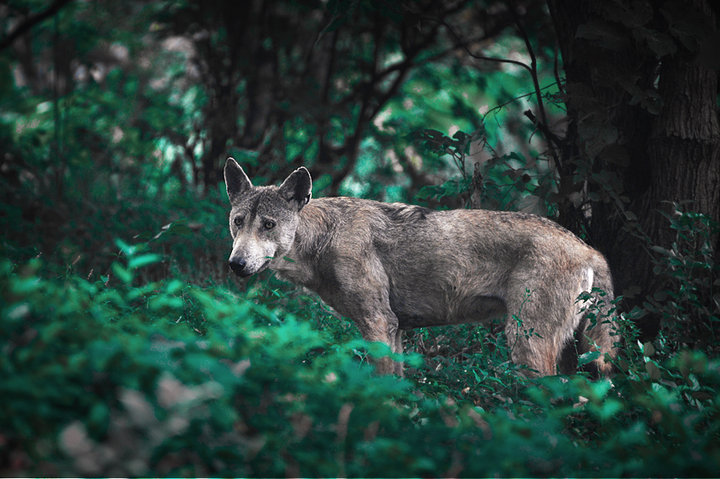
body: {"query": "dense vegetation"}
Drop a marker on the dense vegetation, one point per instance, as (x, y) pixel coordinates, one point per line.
(128, 350)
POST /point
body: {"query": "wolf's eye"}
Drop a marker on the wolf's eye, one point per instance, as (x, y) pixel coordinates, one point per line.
(269, 224)
(238, 221)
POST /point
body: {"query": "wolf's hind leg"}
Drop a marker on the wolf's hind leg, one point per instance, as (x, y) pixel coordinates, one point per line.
(599, 337)
(543, 317)
(529, 347)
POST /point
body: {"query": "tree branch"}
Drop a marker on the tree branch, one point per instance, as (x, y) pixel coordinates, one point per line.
(552, 139)
(465, 47)
(31, 21)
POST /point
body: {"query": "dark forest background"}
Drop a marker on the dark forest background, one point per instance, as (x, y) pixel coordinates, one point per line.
(127, 349)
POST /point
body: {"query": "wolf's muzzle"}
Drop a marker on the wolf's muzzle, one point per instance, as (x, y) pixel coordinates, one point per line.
(238, 267)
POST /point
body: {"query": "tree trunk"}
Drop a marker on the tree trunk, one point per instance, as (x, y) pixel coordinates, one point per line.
(643, 122)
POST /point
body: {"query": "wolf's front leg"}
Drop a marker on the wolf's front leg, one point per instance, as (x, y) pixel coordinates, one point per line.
(383, 327)
(398, 349)
(363, 294)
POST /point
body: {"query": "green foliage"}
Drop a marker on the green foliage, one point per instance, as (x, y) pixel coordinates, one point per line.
(689, 301)
(166, 378)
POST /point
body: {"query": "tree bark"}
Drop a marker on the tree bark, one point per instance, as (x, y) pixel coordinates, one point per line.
(648, 119)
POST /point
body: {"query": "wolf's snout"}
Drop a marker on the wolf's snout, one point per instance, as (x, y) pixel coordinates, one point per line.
(238, 266)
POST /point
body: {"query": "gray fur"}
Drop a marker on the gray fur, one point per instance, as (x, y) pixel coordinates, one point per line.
(391, 266)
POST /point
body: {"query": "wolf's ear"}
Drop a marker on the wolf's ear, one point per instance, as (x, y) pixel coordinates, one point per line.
(297, 187)
(236, 181)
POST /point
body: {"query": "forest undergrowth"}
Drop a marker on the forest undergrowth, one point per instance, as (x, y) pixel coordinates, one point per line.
(137, 359)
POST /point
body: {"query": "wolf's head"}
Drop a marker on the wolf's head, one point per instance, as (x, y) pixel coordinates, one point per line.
(263, 219)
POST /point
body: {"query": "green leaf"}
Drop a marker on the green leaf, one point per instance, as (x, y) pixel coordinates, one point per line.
(653, 370)
(137, 262)
(603, 34)
(122, 274)
(660, 43)
(125, 248)
(608, 408)
(588, 357)
(178, 228)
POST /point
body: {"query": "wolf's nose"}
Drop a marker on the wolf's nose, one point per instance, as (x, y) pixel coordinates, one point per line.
(237, 265)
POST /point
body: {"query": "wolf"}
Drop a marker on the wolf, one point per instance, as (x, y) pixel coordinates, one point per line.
(392, 267)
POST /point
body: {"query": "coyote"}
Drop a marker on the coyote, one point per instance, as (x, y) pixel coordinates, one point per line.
(392, 266)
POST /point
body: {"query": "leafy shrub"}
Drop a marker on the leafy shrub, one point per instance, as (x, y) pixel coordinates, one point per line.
(689, 303)
(123, 376)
